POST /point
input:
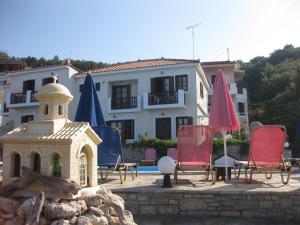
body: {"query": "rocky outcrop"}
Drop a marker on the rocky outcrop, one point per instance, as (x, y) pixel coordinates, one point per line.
(97, 207)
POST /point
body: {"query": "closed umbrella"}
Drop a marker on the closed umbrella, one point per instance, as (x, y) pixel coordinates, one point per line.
(223, 116)
(89, 109)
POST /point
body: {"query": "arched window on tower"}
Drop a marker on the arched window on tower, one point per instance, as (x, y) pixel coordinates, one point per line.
(56, 165)
(16, 165)
(36, 162)
(46, 110)
(60, 110)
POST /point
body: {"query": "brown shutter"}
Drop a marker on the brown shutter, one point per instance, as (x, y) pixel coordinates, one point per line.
(154, 85)
(171, 79)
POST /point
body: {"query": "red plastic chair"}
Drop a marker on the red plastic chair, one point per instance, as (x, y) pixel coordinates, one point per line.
(150, 156)
(172, 152)
(195, 150)
(266, 153)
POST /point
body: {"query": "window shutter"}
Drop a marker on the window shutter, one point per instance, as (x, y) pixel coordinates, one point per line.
(171, 79)
(154, 85)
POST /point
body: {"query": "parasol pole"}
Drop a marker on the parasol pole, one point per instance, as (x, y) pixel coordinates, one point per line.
(225, 155)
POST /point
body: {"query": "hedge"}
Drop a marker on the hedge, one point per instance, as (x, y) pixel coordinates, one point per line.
(162, 145)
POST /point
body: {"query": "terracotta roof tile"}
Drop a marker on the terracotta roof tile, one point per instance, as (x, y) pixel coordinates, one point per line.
(142, 64)
(216, 63)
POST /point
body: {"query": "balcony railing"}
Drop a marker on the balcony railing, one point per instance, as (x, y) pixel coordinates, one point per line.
(33, 96)
(162, 98)
(124, 103)
(17, 98)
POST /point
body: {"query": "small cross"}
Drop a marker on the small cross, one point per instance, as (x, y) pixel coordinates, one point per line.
(55, 78)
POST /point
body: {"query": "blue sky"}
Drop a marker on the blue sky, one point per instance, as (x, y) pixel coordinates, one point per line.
(119, 30)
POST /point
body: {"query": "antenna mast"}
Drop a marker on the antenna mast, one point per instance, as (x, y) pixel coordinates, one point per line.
(192, 28)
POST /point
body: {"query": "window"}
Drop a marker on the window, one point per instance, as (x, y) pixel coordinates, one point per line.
(48, 80)
(83, 170)
(5, 109)
(181, 121)
(212, 79)
(36, 162)
(28, 85)
(16, 165)
(241, 108)
(46, 110)
(98, 85)
(201, 90)
(60, 110)
(181, 82)
(81, 88)
(56, 165)
(26, 119)
(126, 127)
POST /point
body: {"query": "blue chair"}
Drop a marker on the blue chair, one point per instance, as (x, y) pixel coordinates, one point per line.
(110, 153)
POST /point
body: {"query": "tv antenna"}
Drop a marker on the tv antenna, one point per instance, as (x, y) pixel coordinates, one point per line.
(192, 28)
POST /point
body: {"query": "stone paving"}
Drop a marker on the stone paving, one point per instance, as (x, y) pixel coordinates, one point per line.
(196, 182)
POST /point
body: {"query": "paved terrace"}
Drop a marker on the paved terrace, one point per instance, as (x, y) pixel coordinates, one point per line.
(193, 196)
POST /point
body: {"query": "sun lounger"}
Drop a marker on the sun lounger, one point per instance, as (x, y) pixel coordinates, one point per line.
(265, 154)
(195, 151)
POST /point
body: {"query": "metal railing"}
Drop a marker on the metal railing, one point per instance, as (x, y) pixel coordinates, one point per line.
(163, 98)
(124, 103)
(33, 96)
(17, 98)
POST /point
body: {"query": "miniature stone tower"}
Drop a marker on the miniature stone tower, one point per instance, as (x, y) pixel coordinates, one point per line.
(52, 145)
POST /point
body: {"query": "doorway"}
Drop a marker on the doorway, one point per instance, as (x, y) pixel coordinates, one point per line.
(163, 128)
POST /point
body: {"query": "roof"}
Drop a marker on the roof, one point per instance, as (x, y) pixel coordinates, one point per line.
(212, 63)
(54, 90)
(46, 67)
(11, 61)
(143, 64)
(69, 132)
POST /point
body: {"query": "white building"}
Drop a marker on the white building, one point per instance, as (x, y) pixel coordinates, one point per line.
(232, 73)
(144, 97)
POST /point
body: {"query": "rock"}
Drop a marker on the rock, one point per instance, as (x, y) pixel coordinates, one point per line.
(60, 222)
(117, 203)
(15, 221)
(2, 221)
(102, 220)
(22, 211)
(113, 220)
(7, 216)
(44, 221)
(94, 200)
(128, 214)
(112, 211)
(74, 220)
(8, 205)
(56, 211)
(78, 206)
(105, 209)
(96, 211)
(83, 220)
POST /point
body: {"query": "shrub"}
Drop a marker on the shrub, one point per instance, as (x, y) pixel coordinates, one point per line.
(162, 145)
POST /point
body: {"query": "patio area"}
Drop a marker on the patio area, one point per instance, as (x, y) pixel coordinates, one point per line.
(194, 196)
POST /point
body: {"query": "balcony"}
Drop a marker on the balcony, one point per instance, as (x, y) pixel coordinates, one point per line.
(164, 100)
(119, 105)
(16, 100)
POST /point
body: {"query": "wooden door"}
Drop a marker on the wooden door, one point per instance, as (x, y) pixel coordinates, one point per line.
(163, 128)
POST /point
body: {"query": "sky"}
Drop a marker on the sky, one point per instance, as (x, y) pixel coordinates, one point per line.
(123, 30)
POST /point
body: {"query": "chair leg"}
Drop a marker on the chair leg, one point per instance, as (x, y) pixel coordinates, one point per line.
(131, 168)
(250, 175)
(175, 176)
(268, 176)
(287, 176)
(207, 174)
(101, 173)
(106, 173)
(214, 175)
(237, 175)
(125, 176)
(136, 171)
(120, 175)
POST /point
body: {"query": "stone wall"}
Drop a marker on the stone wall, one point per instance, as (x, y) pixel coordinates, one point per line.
(235, 204)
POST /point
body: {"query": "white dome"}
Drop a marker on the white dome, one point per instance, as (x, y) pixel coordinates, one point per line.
(53, 90)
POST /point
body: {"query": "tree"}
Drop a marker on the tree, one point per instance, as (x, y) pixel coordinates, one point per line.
(4, 55)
